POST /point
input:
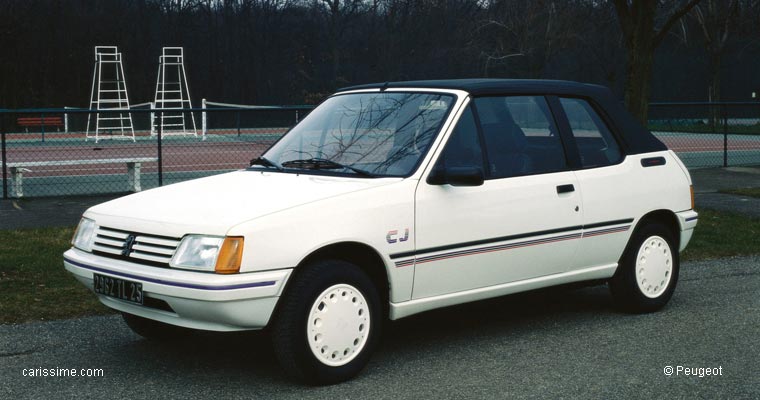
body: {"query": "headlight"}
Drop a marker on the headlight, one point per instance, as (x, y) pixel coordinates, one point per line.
(209, 253)
(84, 234)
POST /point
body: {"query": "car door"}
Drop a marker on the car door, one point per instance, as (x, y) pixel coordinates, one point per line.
(522, 222)
(605, 180)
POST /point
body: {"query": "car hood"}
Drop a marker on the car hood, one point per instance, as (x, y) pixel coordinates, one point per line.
(215, 204)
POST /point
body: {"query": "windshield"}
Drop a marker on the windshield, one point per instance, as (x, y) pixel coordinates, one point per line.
(366, 134)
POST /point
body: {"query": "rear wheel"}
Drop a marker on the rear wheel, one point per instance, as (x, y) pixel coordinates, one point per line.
(154, 330)
(648, 271)
(328, 323)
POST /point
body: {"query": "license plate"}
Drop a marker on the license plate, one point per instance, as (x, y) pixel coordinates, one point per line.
(118, 288)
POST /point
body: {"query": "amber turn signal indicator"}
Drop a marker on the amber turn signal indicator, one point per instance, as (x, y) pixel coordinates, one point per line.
(230, 255)
(691, 190)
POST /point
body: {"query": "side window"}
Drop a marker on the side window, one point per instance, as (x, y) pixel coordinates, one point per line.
(596, 145)
(520, 136)
(463, 147)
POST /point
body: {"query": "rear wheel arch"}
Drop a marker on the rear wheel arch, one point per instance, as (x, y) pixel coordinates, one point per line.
(648, 270)
(665, 217)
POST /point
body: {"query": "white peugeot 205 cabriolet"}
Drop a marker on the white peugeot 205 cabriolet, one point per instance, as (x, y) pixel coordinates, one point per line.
(392, 199)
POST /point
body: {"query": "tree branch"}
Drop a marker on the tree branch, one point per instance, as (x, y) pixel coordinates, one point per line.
(659, 36)
(624, 17)
(702, 22)
(733, 11)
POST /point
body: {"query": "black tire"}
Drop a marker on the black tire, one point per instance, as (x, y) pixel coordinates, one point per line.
(155, 330)
(289, 326)
(626, 290)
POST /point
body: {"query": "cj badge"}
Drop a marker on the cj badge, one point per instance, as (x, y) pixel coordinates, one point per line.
(393, 236)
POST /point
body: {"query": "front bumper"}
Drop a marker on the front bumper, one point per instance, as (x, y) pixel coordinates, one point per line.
(197, 300)
(687, 220)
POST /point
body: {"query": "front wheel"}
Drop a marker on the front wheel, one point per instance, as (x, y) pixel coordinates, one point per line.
(328, 323)
(648, 271)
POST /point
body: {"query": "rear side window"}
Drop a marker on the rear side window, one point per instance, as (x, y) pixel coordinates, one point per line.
(520, 136)
(596, 144)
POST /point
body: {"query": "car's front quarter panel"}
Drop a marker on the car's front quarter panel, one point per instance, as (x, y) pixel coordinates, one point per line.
(381, 218)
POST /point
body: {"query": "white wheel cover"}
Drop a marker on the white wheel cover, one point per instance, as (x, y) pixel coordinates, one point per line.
(654, 266)
(338, 325)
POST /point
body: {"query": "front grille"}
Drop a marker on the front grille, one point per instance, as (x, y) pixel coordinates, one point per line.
(136, 247)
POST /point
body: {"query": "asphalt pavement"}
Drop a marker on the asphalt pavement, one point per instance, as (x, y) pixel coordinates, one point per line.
(556, 343)
(42, 212)
(709, 181)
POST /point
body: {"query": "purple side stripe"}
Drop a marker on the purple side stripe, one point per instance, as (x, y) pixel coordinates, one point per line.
(170, 283)
(510, 246)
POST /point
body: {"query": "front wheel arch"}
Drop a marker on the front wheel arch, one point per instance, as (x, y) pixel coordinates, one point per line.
(363, 256)
(289, 329)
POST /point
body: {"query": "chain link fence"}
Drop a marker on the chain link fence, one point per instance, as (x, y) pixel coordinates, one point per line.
(709, 134)
(64, 152)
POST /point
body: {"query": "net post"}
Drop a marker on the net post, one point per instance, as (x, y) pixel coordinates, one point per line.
(152, 119)
(4, 157)
(725, 136)
(160, 157)
(203, 119)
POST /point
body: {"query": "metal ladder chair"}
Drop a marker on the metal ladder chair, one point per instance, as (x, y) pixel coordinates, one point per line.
(109, 93)
(172, 92)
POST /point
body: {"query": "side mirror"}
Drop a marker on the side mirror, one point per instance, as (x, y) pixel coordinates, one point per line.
(456, 176)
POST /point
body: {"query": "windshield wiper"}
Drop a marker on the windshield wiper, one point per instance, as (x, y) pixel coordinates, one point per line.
(267, 163)
(323, 163)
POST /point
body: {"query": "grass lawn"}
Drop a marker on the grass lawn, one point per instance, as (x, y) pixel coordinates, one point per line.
(36, 287)
(723, 234)
(749, 192)
(33, 283)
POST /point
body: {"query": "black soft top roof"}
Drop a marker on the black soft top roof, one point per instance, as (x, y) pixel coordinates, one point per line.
(481, 87)
(636, 139)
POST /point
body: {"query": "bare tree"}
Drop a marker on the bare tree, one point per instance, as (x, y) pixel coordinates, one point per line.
(717, 21)
(339, 13)
(601, 44)
(641, 36)
(526, 35)
(291, 51)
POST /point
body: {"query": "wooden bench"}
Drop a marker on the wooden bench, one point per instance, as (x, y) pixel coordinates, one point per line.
(42, 122)
(134, 165)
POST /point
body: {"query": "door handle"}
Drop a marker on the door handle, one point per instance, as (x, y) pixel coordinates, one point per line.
(565, 188)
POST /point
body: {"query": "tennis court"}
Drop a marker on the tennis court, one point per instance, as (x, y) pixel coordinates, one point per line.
(701, 150)
(182, 158)
(227, 149)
